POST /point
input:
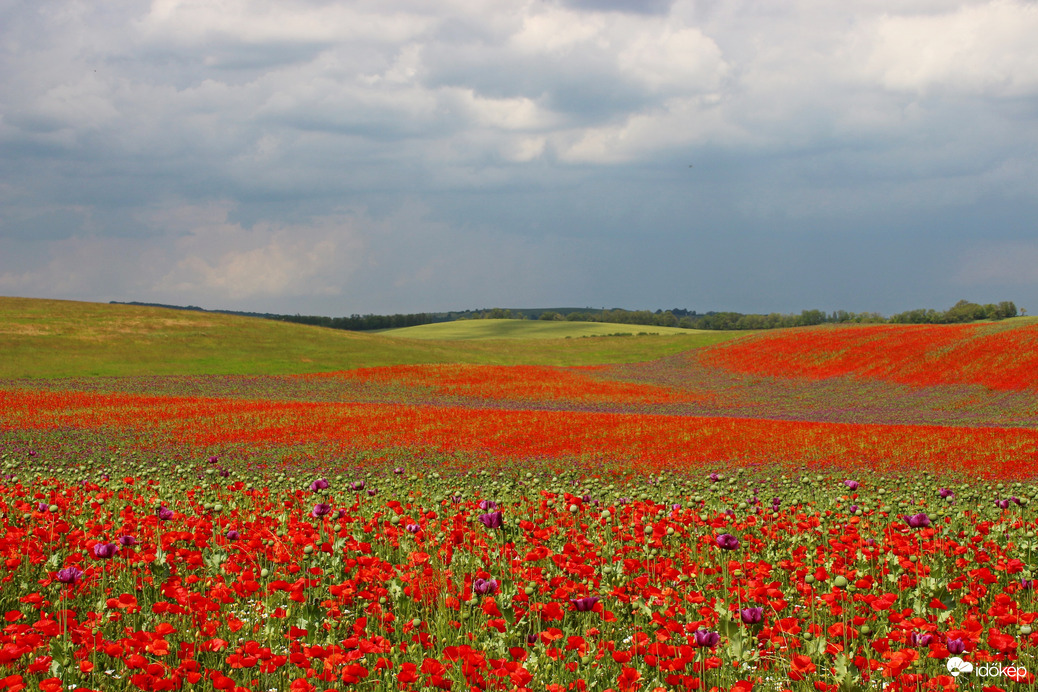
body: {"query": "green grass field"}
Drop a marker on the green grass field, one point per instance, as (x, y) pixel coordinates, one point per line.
(57, 338)
(464, 330)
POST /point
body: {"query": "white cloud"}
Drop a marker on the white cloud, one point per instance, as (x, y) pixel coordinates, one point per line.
(556, 32)
(273, 21)
(221, 258)
(681, 59)
(987, 48)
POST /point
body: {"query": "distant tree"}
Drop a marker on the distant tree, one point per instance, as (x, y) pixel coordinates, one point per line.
(964, 311)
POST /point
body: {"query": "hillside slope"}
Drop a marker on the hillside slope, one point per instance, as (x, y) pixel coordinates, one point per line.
(532, 329)
(998, 355)
(58, 338)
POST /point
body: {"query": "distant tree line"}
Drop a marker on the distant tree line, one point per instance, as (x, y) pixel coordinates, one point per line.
(963, 311)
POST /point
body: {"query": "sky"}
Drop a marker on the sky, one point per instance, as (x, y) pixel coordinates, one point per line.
(331, 158)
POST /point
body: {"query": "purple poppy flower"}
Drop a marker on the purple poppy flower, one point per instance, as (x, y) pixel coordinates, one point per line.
(956, 646)
(585, 604)
(727, 541)
(224, 473)
(714, 478)
(492, 520)
(1015, 500)
(398, 470)
(854, 508)
(233, 535)
(319, 484)
(1027, 584)
(357, 486)
(164, 513)
(413, 528)
(127, 541)
(707, 639)
(853, 485)
(213, 460)
(42, 507)
(920, 639)
(945, 493)
(531, 639)
(371, 492)
(105, 550)
(484, 586)
(69, 575)
(320, 509)
(1002, 504)
(487, 505)
(918, 521)
(752, 616)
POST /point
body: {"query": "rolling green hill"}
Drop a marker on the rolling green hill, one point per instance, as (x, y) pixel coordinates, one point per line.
(58, 338)
(530, 329)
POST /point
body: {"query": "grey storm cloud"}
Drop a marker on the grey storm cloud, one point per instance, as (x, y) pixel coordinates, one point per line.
(338, 157)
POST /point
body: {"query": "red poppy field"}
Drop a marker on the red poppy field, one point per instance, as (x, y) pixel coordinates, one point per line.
(830, 509)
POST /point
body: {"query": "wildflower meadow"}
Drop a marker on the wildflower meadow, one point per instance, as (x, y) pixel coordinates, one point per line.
(835, 509)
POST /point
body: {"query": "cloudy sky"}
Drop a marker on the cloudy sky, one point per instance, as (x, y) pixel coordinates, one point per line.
(404, 155)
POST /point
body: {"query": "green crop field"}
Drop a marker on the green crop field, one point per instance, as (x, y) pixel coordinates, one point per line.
(531, 329)
(57, 338)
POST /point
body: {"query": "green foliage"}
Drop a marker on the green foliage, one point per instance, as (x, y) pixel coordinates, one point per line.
(963, 311)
